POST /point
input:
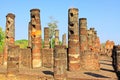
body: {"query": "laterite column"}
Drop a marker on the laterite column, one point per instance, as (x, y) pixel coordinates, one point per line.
(46, 38)
(60, 62)
(56, 37)
(83, 34)
(36, 38)
(9, 34)
(73, 40)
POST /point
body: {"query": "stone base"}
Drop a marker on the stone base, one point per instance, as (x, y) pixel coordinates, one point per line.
(89, 61)
(36, 63)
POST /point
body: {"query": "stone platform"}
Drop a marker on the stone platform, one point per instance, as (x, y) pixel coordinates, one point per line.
(106, 73)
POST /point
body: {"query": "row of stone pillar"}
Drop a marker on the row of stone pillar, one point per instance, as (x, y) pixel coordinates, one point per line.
(80, 39)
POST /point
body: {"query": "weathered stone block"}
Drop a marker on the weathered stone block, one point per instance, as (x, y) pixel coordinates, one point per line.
(47, 58)
(89, 61)
(13, 60)
(25, 58)
(60, 62)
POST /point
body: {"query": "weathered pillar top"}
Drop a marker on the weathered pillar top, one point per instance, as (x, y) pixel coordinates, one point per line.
(73, 9)
(83, 19)
(92, 29)
(35, 10)
(11, 15)
(46, 27)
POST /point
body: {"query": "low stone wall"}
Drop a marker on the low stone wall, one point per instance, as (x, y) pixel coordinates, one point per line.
(89, 61)
(47, 58)
(25, 58)
(13, 60)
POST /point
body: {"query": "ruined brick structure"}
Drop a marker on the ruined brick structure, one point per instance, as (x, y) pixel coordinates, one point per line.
(25, 58)
(90, 42)
(73, 40)
(47, 57)
(89, 61)
(47, 52)
(9, 34)
(13, 60)
(108, 47)
(60, 62)
(96, 42)
(56, 37)
(64, 39)
(36, 38)
(46, 38)
(29, 35)
(116, 57)
(81, 54)
(83, 34)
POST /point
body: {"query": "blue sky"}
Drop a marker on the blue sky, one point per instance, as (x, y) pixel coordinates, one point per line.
(104, 15)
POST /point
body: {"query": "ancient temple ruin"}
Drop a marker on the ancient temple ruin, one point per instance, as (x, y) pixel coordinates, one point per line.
(81, 54)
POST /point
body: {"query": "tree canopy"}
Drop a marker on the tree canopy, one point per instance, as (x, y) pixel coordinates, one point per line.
(2, 37)
(52, 27)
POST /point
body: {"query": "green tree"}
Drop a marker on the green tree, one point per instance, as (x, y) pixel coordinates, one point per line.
(23, 43)
(52, 27)
(2, 38)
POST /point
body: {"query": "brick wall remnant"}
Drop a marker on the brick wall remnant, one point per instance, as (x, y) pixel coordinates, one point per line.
(83, 34)
(64, 39)
(36, 38)
(9, 34)
(90, 36)
(25, 58)
(89, 61)
(46, 38)
(116, 57)
(60, 62)
(47, 57)
(109, 47)
(73, 40)
(56, 37)
(13, 60)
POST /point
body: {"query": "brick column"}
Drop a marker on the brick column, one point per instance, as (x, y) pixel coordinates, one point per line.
(46, 38)
(56, 37)
(89, 37)
(36, 38)
(64, 39)
(73, 40)
(9, 34)
(29, 35)
(60, 62)
(83, 34)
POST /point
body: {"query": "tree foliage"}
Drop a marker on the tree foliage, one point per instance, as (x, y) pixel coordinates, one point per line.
(2, 38)
(23, 43)
(52, 27)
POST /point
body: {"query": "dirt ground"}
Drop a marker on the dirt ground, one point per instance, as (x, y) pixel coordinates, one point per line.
(106, 72)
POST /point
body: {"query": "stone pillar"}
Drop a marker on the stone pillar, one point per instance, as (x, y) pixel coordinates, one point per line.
(73, 40)
(89, 37)
(56, 37)
(83, 34)
(9, 34)
(29, 35)
(96, 42)
(36, 38)
(116, 58)
(60, 62)
(64, 39)
(46, 38)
